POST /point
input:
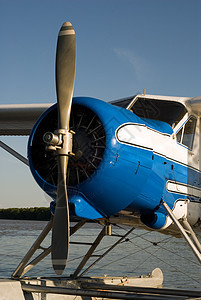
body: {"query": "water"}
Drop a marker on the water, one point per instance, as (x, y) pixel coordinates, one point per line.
(143, 252)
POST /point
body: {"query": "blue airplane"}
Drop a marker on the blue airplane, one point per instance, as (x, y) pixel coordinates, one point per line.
(133, 161)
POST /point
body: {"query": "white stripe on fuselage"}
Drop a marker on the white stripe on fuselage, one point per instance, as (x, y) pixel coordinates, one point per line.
(181, 188)
(163, 144)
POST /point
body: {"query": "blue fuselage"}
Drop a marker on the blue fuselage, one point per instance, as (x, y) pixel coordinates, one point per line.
(129, 177)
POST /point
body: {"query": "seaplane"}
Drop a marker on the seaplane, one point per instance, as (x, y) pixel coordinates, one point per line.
(135, 161)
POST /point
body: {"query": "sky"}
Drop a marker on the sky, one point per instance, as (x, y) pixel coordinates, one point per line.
(123, 47)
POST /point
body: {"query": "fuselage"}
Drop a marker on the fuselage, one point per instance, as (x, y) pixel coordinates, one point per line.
(142, 161)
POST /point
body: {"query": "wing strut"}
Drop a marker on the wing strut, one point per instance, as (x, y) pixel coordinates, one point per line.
(14, 153)
(187, 232)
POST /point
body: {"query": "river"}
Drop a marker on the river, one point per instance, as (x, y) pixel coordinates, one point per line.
(139, 254)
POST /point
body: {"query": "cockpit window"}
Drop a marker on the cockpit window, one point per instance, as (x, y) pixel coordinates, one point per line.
(170, 112)
(179, 135)
(186, 134)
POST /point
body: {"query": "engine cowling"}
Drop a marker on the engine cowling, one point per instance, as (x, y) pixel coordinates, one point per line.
(88, 146)
(102, 173)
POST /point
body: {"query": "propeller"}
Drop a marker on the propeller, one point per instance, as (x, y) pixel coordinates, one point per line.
(61, 142)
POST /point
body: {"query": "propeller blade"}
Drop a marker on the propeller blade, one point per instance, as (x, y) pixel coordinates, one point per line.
(60, 230)
(65, 72)
(65, 75)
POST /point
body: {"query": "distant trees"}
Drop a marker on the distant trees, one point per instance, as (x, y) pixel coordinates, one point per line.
(33, 213)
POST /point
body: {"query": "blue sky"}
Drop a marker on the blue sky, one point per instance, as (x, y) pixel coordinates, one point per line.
(123, 46)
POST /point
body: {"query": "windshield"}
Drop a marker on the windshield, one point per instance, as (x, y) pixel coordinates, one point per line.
(170, 112)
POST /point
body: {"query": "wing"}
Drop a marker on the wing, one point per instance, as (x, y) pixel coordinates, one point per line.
(18, 119)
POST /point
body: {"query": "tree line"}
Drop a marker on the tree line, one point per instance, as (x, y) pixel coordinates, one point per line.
(33, 213)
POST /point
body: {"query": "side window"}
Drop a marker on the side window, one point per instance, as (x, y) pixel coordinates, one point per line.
(179, 135)
(186, 134)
